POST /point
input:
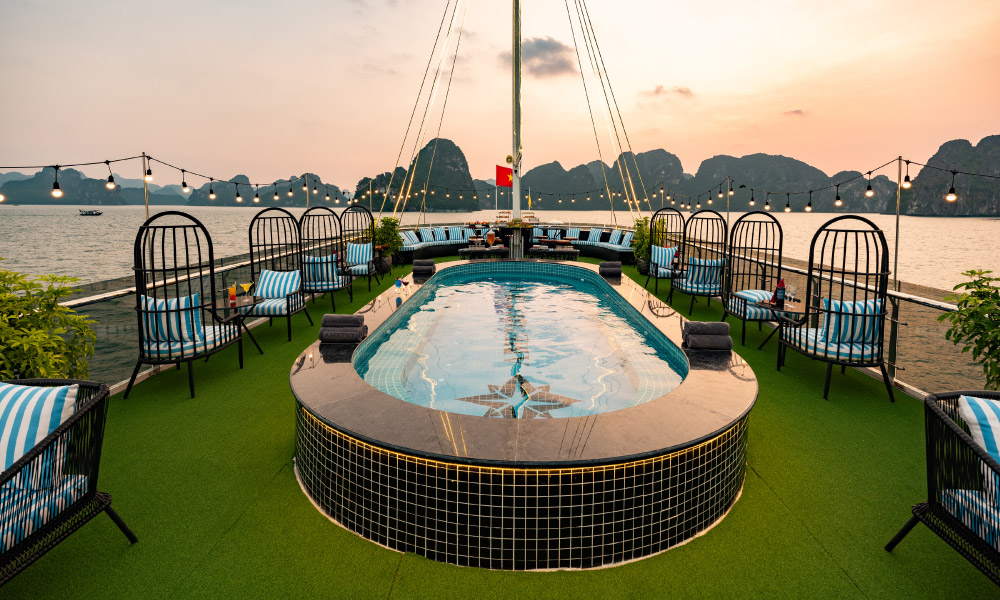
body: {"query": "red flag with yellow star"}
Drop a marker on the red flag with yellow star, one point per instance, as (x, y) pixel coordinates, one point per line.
(505, 177)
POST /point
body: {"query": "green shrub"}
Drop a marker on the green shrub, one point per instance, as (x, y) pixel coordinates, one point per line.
(387, 233)
(640, 241)
(38, 336)
(976, 323)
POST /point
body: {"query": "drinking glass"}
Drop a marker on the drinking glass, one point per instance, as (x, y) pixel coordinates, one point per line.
(491, 237)
(246, 287)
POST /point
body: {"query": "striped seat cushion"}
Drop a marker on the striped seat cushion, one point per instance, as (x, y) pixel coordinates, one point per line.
(276, 307)
(662, 257)
(573, 232)
(440, 235)
(703, 289)
(426, 235)
(171, 320)
(29, 413)
(746, 310)
(627, 239)
(340, 281)
(976, 511)
(982, 417)
(358, 269)
(585, 243)
(813, 341)
(277, 284)
(456, 234)
(25, 510)
(616, 236)
(215, 335)
(859, 321)
(358, 254)
(662, 272)
(319, 268)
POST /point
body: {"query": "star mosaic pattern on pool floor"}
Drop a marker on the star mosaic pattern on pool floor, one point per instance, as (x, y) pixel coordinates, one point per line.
(518, 398)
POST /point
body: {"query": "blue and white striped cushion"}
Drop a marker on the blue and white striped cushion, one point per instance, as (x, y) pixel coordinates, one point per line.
(536, 232)
(28, 414)
(173, 320)
(25, 510)
(704, 289)
(812, 340)
(358, 269)
(616, 236)
(704, 272)
(320, 268)
(277, 284)
(594, 235)
(215, 335)
(982, 416)
(426, 235)
(359, 254)
(455, 234)
(627, 239)
(746, 310)
(573, 232)
(468, 232)
(976, 511)
(440, 235)
(554, 234)
(852, 321)
(410, 237)
(276, 307)
(662, 257)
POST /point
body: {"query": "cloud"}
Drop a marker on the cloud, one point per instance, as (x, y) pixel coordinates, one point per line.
(544, 57)
(662, 92)
(798, 112)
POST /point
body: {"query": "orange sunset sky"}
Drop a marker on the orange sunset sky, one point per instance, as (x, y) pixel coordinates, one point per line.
(270, 89)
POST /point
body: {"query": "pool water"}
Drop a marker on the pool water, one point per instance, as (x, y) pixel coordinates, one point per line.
(520, 342)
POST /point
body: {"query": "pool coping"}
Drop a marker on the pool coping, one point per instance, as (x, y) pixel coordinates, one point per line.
(719, 390)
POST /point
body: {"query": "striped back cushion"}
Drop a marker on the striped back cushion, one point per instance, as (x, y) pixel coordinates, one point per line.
(467, 233)
(616, 236)
(846, 322)
(594, 235)
(662, 257)
(440, 235)
(173, 320)
(536, 232)
(554, 234)
(321, 268)
(277, 284)
(426, 234)
(627, 239)
(358, 254)
(982, 416)
(704, 272)
(28, 414)
(410, 238)
(455, 234)
(573, 232)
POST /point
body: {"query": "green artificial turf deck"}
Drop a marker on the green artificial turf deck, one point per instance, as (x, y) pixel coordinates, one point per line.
(208, 486)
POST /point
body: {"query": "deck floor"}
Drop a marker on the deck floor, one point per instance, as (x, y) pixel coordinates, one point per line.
(208, 486)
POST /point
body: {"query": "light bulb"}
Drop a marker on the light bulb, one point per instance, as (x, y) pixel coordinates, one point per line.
(314, 190)
(731, 192)
(276, 194)
(951, 197)
(238, 197)
(838, 201)
(788, 208)
(720, 193)
(869, 192)
(149, 175)
(2, 198)
(184, 187)
(57, 192)
(710, 200)
(906, 183)
(290, 191)
(111, 182)
(328, 197)
(698, 205)
(752, 202)
(809, 207)
(305, 187)
(211, 193)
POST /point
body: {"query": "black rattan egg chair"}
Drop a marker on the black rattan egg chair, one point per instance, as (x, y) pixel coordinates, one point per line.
(323, 267)
(703, 257)
(276, 266)
(846, 299)
(666, 234)
(175, 295)
(753, 269)
(358, 231)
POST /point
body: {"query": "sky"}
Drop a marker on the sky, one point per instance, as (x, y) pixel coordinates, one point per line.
(269, 89)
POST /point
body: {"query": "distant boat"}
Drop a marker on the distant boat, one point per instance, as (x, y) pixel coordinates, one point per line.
(90, 213)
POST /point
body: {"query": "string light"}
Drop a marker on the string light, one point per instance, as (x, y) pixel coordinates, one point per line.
(2, 198)
(290, 192)
(184, 183)
(951, 197)
(752, 199)
(276, 191)
(720, 193)
(327, 193)
(869, 192)
(838, 201)
(767, 201)
(111, 177)
(731, 192)
(238, 197)
(906, 180)
(211, 189)
(809, 207)
(256, 194)
(56, 191)
(788, 203)
(149, 175)
(305, 185)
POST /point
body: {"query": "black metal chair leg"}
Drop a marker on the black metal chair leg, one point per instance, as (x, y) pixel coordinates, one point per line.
(350, 291)
(121, 524)
(289, 319)
(888, 384)
(902, 533)
(333, 301)
(843, 369)
(826, 386)
(308, 316)
(239, 344)
(691, 310)
(131, 381)
(743, 336)
(781, 348)
(369, 281)
(648, 275)
(190, 376)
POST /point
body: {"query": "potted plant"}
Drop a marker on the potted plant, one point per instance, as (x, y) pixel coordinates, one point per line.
(640, 241)
(38, 336)
(976, 323)
(387, 234)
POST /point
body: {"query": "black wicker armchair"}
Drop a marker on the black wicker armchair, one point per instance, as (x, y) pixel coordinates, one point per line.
(358, 230)
(51, 491)
(174, 266)
(846, 300)
(323, 267)
(666, 235)
(753, 268)
(276, 266)
(963, 486)
(702, 257)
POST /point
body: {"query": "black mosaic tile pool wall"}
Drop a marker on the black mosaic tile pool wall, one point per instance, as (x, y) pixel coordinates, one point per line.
(517, 518)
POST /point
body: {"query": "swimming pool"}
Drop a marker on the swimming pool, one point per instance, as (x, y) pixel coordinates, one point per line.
(520, 340)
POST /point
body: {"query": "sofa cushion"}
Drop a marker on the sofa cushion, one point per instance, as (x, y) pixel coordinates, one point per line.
(171, 320)
(29, 413)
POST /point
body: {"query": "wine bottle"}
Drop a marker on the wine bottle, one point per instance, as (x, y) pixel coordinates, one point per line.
(779, 294)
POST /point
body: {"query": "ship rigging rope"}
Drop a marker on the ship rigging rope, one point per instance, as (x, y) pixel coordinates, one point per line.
(416, 103)
(590, 111)
(609, 115)
(620, 119)
(444, 107)
(405, 189)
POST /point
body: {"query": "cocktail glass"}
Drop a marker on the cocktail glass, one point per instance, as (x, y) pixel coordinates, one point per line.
(246, 287)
